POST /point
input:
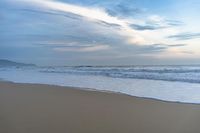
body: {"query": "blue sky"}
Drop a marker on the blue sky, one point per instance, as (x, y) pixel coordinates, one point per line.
(106, 32)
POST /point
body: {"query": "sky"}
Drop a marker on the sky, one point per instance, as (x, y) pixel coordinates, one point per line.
(100, 32)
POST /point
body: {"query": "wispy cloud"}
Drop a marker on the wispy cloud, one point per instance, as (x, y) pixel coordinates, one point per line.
(185, 36)
(73, 46)
(51, 12)
(123, 8)
(159, 47)
(155, 23)
(176, 45)
(92, 14)
(126, 28)
(145, 27)
(91, 48)
(113, 25)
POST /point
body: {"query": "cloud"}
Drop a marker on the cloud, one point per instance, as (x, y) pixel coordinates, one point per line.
(98, 15)
(73, 45)
(125, 28)
(174, 23)
(41, 25)
(113, 25)
(123, 9)
(66, 30)
(176, 45)
(188, 52)
(154, 48)
(51, 12)
(145, 27)
(185, 36)
(90, 13)
(91, 48)
(169, 45)
(155, 23)
(119, 8)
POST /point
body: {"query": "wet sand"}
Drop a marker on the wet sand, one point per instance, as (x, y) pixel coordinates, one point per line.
(29, 108)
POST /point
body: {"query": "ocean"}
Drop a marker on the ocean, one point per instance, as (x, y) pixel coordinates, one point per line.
(168, 83)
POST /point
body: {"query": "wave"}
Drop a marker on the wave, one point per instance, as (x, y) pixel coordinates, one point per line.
(125, 80)
(189, 74)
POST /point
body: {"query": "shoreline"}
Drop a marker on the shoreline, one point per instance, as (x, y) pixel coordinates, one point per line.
(101, 91)
(31, 108)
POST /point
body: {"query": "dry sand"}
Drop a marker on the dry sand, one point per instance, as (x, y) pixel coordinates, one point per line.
(27, 108)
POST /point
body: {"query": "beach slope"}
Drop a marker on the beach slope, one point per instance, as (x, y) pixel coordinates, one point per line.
(28, 108)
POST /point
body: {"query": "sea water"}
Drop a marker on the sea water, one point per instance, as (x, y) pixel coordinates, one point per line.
(169, 83)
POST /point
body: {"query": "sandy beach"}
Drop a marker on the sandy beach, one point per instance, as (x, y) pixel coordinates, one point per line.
(28, 108)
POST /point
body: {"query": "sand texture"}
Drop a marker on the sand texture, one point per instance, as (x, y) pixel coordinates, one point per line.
(28, 108)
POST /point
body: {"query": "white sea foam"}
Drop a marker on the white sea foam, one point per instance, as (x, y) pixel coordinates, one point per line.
(115, 79)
